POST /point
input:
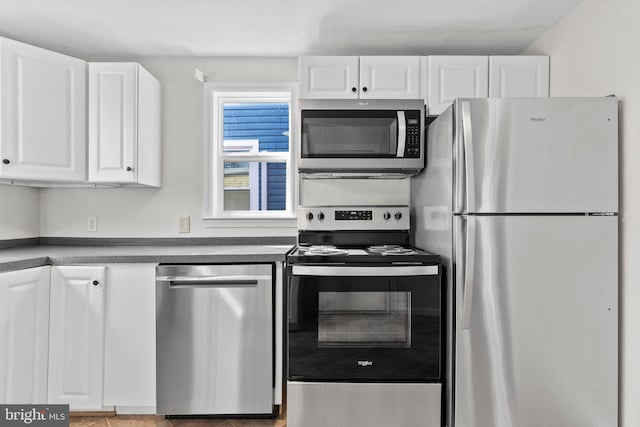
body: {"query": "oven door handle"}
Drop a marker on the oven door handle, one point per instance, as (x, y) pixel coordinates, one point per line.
(340, 271)
(402, 134)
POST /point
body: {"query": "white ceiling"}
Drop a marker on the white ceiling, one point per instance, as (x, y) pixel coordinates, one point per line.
(137, 28)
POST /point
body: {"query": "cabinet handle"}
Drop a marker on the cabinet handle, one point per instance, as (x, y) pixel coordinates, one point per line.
(364, 89)
(129, 168)
(353, 89)
(96, 283)
(6, 161)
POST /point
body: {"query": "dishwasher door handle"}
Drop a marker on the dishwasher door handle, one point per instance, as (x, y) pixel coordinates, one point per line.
(208, 284)
(186, 282)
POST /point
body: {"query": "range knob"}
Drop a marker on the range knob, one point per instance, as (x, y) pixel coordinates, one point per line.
(320, 216)
(398, 215)
(309, 216)
(387, 216)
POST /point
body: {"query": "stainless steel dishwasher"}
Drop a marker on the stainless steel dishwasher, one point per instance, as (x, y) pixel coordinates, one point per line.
(214, 327)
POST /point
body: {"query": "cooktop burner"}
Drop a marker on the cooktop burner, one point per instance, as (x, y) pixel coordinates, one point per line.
(323, 250)
(391, 250)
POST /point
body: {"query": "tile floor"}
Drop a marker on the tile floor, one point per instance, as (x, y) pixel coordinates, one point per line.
(159, 421)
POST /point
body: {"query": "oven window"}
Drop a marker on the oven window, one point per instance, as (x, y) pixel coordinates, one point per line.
(364, 319)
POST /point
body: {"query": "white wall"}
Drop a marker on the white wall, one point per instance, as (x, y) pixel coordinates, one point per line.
(594, 52)
(125, 212)
(19, 212)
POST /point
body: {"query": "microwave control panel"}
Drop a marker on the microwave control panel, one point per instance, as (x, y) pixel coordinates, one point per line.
(414, 131)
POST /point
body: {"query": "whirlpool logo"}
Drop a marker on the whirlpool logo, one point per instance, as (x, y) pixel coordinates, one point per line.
(34, 415)
(365, 363)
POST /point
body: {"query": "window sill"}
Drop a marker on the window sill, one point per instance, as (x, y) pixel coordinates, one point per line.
(279, 222)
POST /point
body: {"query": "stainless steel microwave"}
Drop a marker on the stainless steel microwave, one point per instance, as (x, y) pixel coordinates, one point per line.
(374, 136)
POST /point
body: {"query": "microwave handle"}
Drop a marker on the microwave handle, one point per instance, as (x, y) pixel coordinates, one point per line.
(402, 134)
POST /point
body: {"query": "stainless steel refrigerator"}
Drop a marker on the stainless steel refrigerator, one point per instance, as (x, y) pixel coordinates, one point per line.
(520, 198)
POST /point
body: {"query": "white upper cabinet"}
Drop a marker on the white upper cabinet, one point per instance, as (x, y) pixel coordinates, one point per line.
(328, 77)
(518, 76)
(76, 337)
(43, 114)
(124, 125)
(451, 77)
(390, 77)
(365, 77)
(24, 335)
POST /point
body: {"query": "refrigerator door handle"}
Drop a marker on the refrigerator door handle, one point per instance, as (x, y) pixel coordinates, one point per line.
(467, 137)
(469, 271)
(458, 159)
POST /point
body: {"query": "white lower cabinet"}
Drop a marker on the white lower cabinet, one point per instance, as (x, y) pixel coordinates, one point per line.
(102, 337)
(24, 329)
(130, 338)
(76, 336)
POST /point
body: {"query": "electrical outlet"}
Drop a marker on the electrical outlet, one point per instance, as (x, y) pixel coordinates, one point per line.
(184, 224)
(92, 223)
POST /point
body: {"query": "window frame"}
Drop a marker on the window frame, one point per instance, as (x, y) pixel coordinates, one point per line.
(215, 94)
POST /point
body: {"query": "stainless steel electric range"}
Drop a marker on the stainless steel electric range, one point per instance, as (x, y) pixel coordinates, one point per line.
(365, 321)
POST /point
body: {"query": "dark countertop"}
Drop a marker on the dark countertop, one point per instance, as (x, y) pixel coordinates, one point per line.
(19, 258)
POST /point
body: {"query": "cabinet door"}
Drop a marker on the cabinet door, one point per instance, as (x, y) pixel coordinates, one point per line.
(112, 122)
(390, 77)
(328, 77)
(451, 77)
(43, 117)
(130, 336)
(76, 336)
(518, 76)
(24, 335)
(149, 131)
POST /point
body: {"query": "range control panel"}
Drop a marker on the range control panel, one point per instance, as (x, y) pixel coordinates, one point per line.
(332, 218)
(353, 215)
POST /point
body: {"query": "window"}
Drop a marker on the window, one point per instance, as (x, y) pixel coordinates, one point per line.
(250, 173)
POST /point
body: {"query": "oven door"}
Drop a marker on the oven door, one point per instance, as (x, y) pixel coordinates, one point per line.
(364, 323)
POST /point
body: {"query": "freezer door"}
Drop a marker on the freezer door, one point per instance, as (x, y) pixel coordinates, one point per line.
(536, 321)
(530, 155)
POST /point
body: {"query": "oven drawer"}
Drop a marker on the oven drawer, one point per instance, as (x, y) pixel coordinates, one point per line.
(363, 404)
(363, 323)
